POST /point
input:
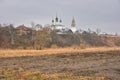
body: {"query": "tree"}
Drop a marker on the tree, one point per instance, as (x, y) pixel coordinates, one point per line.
(12, 32)
(32, 33)
(89, 30)
(116, 34)
(42, 39)
(5, 37)
(98, 31)
(38, 27)
(0, 26)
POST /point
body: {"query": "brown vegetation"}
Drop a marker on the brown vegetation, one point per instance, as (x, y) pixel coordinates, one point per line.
(18, 53)
(23, 37)
(21, 74)
(56, 64)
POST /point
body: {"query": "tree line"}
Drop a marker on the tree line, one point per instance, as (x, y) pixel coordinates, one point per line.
(36, 37)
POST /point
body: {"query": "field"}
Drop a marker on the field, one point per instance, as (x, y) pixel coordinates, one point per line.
(60, 64)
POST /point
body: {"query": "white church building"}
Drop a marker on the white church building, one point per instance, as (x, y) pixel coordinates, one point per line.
(60, 28)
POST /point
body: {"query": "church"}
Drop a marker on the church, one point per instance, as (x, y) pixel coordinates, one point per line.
(60, 28)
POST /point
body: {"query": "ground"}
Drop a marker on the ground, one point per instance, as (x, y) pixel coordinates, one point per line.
(85, 63)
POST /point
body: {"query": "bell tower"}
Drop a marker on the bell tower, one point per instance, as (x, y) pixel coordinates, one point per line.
(73, 25)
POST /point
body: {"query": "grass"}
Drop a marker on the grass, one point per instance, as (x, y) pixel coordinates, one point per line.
(21, 74)
(18, 53)
(60, 64)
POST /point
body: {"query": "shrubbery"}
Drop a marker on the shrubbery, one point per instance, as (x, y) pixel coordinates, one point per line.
(40, 39)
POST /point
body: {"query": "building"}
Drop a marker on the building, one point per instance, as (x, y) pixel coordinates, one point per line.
(22, 30)
(60, 28)
(57, 24)
(73, 26)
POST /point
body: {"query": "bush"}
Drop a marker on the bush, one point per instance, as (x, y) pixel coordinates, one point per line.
(83, 46)
(20, 47)
(75, 46)
(54, 46)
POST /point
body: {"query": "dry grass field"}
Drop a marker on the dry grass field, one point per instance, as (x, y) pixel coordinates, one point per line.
(61, 64)
(19, 53)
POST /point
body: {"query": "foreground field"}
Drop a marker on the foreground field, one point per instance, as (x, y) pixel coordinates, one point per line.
(21, 74)
(60, 64)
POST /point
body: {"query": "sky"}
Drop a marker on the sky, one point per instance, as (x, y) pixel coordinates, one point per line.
(92, 14)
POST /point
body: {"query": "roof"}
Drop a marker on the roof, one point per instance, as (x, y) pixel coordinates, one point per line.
(22, 27)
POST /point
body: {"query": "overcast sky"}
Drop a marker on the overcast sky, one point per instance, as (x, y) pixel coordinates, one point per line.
(93, 14)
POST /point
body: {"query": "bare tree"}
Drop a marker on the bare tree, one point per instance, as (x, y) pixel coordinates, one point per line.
(98, 31)
(89, 30)
(12, 32)
(32, 33)
(38, 27)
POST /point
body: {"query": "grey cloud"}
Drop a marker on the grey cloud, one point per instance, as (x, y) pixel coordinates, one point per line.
(101, 14)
